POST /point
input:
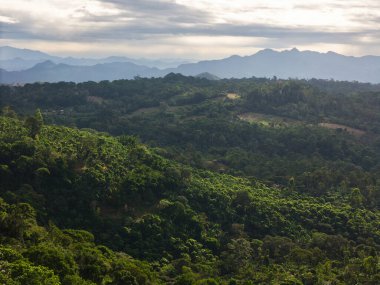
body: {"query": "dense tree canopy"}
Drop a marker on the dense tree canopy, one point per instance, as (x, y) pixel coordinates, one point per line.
(323, 134)
(190, 181)
(81, 207)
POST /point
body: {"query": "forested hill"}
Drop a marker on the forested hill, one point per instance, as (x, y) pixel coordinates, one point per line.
(155, 221)
(323, 134)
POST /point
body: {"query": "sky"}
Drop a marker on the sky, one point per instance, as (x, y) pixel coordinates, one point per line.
(192, 29)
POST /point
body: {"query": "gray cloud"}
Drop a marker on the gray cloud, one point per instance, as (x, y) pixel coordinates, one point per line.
(126, 27)
(137, 29)
(150, 20)
(152, 6)
(166, 11)
(16, 31)
(370, 18)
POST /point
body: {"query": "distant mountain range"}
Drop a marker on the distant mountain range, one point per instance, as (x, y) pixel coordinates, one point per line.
(290, 64)
(266, 63)
(14, 59)
(48, 71)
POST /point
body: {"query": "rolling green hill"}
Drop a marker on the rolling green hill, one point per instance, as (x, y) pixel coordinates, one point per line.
(323, 134)
(78, 206)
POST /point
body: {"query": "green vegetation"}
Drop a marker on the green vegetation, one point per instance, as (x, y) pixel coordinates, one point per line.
(82, 207)
(324, 134)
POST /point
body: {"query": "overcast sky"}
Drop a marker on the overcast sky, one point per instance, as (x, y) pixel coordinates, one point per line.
(196, 29)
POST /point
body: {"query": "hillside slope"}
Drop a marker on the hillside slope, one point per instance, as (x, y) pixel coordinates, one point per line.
(190, 225)
(323, 134)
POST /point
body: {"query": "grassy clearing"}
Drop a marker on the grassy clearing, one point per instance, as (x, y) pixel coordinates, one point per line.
(278, 121)
(233, 96)
(267, 120)
(352, 131)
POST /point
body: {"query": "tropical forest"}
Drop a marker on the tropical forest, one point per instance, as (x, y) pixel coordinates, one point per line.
(188, 180)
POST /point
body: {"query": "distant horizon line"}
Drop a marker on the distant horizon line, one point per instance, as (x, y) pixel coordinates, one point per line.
(193, 60)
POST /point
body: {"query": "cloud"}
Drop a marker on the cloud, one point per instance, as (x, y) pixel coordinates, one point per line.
(148, 11)
(7, 20)
(160, 23)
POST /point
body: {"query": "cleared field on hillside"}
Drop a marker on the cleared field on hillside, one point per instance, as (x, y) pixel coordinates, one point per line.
(353, 131)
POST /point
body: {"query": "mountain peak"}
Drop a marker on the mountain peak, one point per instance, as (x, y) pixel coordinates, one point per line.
(44, 65)
(8, 52)
(293, 50)
(266, 51)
